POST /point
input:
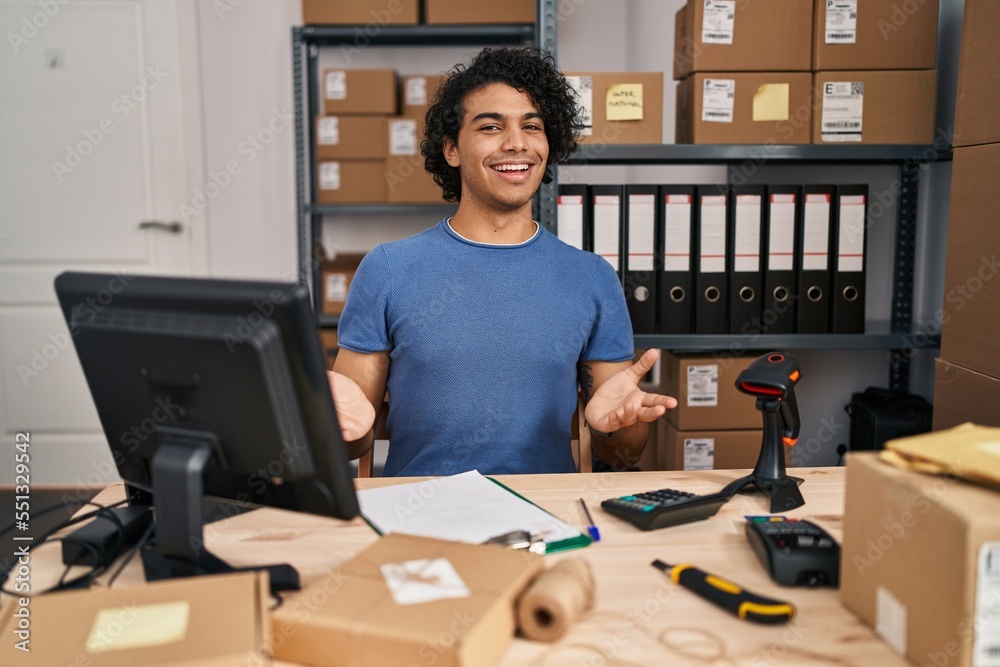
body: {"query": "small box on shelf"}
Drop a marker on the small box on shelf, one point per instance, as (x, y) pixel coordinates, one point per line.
(745, 108)
(978, 97)
(875, 107)
(360, 12)
(350, 181)
(360, 91)
(406, 180)
(457, 12)
(620, 107)
(875, 34)
(758, 36)
(419, 92)
(336, 276)
(705, 389)
(350, 137)
(707, 449)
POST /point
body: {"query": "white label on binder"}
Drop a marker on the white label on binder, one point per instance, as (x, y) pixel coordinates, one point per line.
(718, 21)
(713, 234)
(851, 246)
(415, 94)
(403, 137)
(816, 232)
(843, 110)
(841, 21)
(329, 176)
(781, 239)
(747, 233)
(677, 233)
(717, 100)
(569, 214)
(606, 227)
(986, 641)
(336, 85)
(329, 131)
(699, 453)
(703, 386)
(641, 220)
(583, 86)
(890, 619)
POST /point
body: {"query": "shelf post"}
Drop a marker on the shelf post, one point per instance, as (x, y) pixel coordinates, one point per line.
(902, 290)
(546, 26)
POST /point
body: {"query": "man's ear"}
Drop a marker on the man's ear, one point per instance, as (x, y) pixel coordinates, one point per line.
(450, 150)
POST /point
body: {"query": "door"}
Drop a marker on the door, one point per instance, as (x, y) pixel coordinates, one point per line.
(100, 153)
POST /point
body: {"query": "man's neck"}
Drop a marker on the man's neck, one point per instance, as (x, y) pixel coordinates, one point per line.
(505, 228)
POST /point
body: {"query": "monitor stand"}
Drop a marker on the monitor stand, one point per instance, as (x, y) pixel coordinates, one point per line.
(178, 469)
(769, 474)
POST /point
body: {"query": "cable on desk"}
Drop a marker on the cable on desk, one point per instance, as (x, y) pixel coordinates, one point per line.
(132, 552)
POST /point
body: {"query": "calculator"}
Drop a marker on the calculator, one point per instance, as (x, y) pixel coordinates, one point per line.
(667, 507)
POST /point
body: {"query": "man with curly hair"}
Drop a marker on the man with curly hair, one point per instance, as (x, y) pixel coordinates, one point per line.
(483, 326)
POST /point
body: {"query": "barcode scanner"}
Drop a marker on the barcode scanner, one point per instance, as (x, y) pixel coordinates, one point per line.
(772, 379)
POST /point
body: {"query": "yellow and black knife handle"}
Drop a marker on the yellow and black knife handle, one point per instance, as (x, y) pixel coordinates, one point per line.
(731, 597)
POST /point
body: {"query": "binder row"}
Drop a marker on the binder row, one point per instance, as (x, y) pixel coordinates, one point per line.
(718, 259)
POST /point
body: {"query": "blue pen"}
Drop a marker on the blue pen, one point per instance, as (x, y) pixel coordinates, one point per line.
(591, 528)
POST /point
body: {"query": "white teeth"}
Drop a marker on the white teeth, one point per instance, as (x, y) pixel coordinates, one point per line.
(511, 167)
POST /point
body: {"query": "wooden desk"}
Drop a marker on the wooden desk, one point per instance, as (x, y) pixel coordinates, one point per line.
(635, 602)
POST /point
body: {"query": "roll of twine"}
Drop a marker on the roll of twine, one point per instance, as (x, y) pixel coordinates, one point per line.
(556, 599)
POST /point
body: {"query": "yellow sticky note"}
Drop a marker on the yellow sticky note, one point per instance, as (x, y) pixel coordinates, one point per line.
(770, 102)
(130, 626)
(624, 101)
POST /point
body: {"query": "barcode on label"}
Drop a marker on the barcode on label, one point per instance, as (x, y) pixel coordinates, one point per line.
(716, 35)
(834, 35)
(720, 114)
(841, 124)
(701, 399)
(992, 651)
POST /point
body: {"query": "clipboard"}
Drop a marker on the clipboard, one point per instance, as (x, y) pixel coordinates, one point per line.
(463, 508)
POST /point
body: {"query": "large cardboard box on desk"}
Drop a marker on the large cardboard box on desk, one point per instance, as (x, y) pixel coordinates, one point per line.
(357, 615)
(972, 265)
(867, 107)
(213, 621)
(360, 12)
(745, 108)
(978, 95)
(757, 36)
(875, 34)
(705, 389)
(920, 562)
(620, 107)
(964, 395)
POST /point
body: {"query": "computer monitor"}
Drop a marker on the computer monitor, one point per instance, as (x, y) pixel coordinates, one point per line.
(209, 388)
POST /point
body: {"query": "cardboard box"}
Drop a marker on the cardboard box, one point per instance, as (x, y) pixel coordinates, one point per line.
(964, 395)
(705, 389)
(463, 11)
(892, 107)
(419, 92)
(350, 181)
(758, 36)
(707, 450)
(336, 276)
(406, 179)
(620, 107)
(351, 138)
(360, 12)
(352, 617)
(745, 108)
(978, 96)
(886, 34)
(971, 281)
(212, 621)
(914, 551)
(360, 91)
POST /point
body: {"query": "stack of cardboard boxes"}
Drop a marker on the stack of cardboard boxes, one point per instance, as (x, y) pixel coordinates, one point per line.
(806, 71)
(967, 379)
(366, 153)
(714, 425)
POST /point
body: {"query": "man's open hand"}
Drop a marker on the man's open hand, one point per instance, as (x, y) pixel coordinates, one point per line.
(619, 403)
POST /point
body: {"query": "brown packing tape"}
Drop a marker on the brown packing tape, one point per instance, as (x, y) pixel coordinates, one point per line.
(555, 600)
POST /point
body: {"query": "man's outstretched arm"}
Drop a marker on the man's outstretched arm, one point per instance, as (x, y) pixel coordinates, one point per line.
(358, 385)
(616, 406)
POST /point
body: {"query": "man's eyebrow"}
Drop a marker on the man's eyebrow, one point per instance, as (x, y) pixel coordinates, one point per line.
(494, 115)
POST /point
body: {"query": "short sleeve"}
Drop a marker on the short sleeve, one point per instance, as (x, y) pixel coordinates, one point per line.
(611, 336)
(363, 326)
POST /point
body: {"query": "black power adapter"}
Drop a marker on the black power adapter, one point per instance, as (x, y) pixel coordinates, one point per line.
(105, 537)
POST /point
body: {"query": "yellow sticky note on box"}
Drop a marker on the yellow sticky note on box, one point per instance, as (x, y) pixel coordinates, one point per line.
(138, 626)
(770, 102)
(624, 101)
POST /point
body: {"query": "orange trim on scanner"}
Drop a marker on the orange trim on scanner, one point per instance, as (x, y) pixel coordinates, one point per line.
(794, 376)
(789, 441)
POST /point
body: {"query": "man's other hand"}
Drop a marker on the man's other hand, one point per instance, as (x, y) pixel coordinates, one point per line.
(354, 411)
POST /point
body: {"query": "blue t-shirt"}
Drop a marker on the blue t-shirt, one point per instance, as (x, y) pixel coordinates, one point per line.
(484, 342)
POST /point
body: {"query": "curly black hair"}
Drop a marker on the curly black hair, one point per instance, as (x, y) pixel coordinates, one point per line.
(529, 70)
